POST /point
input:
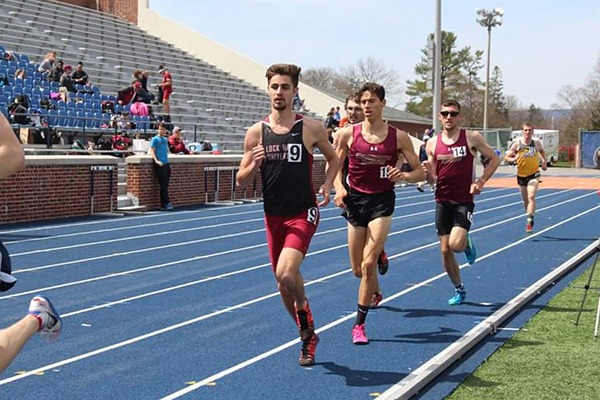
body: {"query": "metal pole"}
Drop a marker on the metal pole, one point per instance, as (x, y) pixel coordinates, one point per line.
(487, 81)
(437, 65)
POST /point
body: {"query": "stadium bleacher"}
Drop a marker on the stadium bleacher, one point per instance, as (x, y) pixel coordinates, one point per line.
(207, 102)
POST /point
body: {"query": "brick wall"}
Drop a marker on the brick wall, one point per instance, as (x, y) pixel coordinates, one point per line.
(191, 185)
(55, 187)
(124, 9)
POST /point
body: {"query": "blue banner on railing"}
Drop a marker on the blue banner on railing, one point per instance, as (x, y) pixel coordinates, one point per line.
(590, 149)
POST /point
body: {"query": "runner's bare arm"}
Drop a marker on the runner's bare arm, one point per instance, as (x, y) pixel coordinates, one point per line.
(320, 140)
(405, 146)
(254, 154)
(477, 142)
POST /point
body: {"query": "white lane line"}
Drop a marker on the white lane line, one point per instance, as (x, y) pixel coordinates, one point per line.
(152, 267)
(254, 360)
(256, 300)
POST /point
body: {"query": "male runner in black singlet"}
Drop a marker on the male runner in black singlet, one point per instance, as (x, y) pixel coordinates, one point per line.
(281, 148)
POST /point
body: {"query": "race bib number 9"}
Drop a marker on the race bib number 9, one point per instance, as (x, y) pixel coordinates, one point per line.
(312, 215)
(294, 152)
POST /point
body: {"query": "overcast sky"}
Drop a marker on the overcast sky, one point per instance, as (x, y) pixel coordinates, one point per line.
(541, 46)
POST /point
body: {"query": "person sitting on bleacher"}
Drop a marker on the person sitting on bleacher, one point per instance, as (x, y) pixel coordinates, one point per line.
(56, 72)
(176, 145)
(80, 77)
(20, 74)
(46, 66)
(66, 83)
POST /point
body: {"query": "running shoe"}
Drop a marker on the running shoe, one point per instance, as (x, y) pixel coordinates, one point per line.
(309, 346)
(50, 321)
(358, 335)
(309, 318)
(383, 263)
(375, 300)
(529, 226)
(470, 251)
(458, 299)
(420, 187)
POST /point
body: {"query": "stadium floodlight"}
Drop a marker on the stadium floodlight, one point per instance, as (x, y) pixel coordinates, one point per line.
(488, 19)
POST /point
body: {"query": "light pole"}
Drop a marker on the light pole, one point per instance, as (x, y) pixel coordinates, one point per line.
(488, 19)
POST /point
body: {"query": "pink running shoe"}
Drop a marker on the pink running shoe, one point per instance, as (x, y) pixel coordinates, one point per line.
(358, 335)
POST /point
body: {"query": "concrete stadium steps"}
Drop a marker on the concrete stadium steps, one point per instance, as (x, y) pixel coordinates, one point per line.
(111, 48)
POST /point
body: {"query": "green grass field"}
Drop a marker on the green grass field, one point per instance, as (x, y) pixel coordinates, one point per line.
(550, 358)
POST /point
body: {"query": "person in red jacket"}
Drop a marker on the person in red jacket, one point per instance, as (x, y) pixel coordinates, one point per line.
(176, 144)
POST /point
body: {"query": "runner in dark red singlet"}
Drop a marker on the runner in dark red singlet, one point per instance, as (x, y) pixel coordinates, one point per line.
(372, 148)
(451, 163)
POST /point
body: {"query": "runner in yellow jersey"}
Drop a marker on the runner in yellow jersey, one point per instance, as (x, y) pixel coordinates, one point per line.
(527, 152)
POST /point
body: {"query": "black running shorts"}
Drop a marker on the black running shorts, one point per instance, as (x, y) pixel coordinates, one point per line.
(524, 180)
(448, 215)
(362, 208)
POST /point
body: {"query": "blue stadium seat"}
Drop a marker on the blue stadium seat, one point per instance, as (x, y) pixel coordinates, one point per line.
(62, 117)
(89, 119)
(54, 86)
(53, 118)
(71, 118)
(62, 105)
(81, 120)
(80, 106)
(24, 57)
(97, 119)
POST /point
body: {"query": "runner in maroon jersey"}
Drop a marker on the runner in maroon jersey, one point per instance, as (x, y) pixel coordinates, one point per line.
(281, 148)
(372, 148)
(451, 162)
(355, 115)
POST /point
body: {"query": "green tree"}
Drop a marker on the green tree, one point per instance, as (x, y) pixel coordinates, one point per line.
(498, 117)
(458, 77)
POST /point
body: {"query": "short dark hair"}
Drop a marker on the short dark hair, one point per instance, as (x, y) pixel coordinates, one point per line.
(291, 70)
(375, 88)
(352, 97)
(451, 103)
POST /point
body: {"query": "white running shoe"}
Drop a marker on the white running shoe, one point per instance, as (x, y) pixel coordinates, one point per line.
(51, 323)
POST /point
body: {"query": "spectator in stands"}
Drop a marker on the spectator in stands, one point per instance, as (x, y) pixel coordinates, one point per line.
(9, 56)
(57, 71)
(3, 79)
(20, 74)
(133, 94)
(42, 317)
(299, 103)
(337, 115)
(46, 66)
(80, 77)
(66, 83)
(167, 88)
(330, 121)
(159, 150)
(176, 144)
(142, 77)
